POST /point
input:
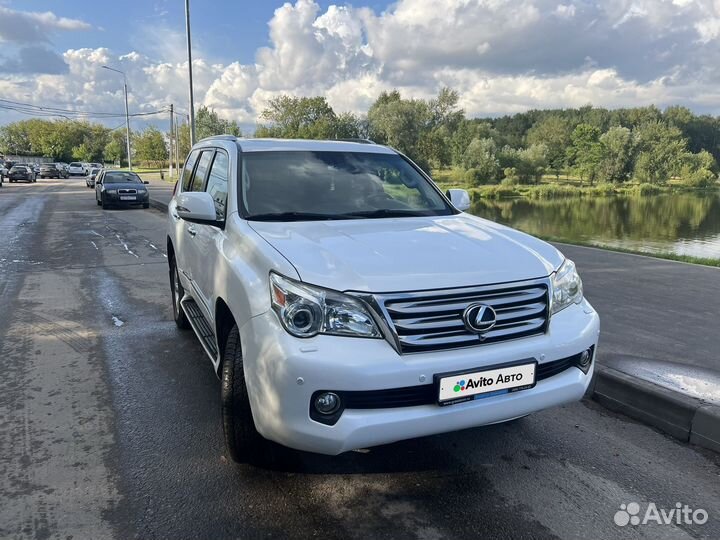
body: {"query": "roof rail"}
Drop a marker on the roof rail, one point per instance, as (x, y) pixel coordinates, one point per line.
(357, 140)
(224, 137)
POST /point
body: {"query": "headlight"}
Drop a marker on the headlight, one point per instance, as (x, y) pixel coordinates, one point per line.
(306, 311)
(566, 287)
(111, 191)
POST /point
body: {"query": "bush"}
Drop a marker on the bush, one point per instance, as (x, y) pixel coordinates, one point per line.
(477, 177)
(603, 189)
(554, 191)
(700, 178)
(494, 192)
(646, 189)
(454, 176)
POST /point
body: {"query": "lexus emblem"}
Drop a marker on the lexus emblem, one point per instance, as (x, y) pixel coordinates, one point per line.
(479, 318)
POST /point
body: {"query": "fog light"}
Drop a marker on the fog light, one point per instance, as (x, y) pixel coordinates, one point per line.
(585, 360)
(327, 403)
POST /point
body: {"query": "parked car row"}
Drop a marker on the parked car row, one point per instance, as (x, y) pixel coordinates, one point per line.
(30, 172)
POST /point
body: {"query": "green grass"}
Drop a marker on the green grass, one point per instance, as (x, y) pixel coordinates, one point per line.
(703, 261)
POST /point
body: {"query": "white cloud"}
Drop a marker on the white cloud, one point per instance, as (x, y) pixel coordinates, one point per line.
(30, 26)
(503, 56)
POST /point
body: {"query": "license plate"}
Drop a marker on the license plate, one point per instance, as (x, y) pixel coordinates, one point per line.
(477, 384)
(127, 197)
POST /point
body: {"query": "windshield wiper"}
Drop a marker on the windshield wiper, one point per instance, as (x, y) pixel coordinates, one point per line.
(296, 216)
(388, 213)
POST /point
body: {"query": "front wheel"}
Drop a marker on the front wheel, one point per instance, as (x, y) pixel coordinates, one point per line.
(177, 291)
(242, 440)
(103, 203)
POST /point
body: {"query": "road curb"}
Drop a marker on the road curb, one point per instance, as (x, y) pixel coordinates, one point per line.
(158, 205)
(684, 417)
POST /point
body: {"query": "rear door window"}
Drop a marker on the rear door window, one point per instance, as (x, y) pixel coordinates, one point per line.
(198, 181)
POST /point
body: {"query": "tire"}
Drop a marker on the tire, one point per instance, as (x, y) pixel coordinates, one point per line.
(243, 442)
(103, 203)
(177, 292)
(146, 205)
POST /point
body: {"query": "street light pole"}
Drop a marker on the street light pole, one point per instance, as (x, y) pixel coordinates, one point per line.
(127, 113)
(190, 76)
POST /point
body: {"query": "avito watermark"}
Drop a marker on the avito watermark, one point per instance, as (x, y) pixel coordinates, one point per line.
(681, 514)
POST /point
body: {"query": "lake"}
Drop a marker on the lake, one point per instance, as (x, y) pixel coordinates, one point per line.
(684, 224)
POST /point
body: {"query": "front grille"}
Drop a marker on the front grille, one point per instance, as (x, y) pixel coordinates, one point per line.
(127, 191)
(432, 320)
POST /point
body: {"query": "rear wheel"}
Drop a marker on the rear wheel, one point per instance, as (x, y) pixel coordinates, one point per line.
(242, 440)
(178, 292)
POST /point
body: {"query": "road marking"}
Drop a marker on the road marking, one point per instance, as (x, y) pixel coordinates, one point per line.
(126, 246)
(94, 244)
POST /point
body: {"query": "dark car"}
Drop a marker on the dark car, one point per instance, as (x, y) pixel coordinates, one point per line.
(21, 172)
(49, 170)
(120, 188)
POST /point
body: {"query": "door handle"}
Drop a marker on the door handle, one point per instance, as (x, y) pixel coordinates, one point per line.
(192, 231)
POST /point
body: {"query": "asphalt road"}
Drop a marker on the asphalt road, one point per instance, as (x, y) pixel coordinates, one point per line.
(110, 426)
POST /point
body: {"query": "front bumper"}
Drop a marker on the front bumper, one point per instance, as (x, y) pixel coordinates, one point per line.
(283, 372)
(114, 198)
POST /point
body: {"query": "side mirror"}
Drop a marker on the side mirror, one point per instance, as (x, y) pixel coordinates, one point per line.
(459, 198)
(196, 207)
(145, 182)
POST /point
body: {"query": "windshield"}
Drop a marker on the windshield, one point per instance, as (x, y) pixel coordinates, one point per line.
(121, 178)
(76, 164)
(284, 186)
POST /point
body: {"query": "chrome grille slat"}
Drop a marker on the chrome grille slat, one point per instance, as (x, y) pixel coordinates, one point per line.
(432, 320)
(410, 308)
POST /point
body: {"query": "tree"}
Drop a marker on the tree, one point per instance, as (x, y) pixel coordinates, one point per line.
(697, 169)
(464, 134)
(299, 117)
(183, 142)
(554, 132)
(401, 123)
(524, 165)
(617, 149)
(661, 149)
(481, 161)
(444, 110)
(150, 146)
(585, 151)
(208, 123)
(116, 148)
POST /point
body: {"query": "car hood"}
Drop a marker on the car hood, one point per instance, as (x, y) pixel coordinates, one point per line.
(402, 254)
(123, 185)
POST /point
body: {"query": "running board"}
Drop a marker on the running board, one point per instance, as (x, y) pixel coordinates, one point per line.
(201, 326)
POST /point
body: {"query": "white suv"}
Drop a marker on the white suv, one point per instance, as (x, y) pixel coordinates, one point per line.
(346, 302)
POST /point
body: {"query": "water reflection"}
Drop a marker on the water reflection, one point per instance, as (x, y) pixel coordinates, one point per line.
(687, 224)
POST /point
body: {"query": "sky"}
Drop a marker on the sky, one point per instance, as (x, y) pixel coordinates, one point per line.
(502, 56)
